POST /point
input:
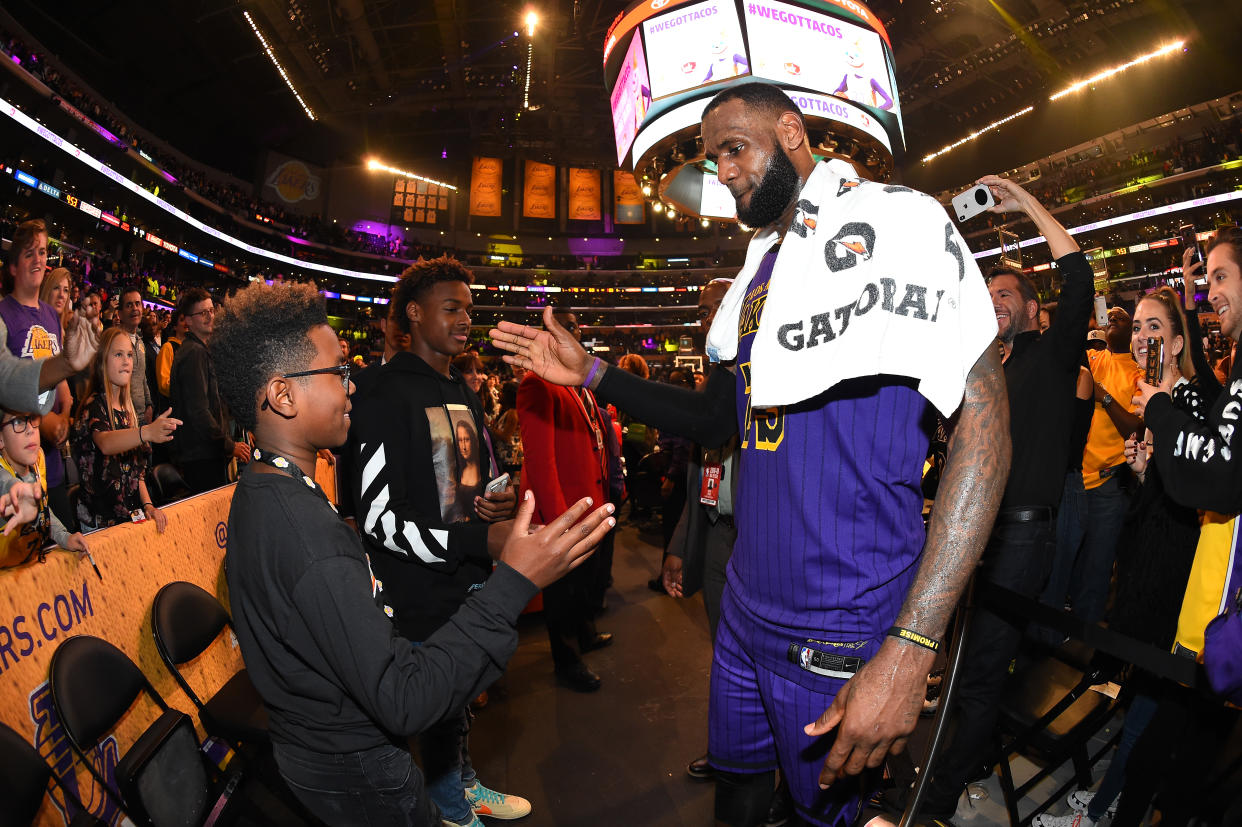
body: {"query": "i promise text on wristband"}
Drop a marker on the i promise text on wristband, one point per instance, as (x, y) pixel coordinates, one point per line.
(915, 638)
(591, 374)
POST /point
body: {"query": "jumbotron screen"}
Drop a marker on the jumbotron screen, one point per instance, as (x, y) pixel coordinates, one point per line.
(686, 51)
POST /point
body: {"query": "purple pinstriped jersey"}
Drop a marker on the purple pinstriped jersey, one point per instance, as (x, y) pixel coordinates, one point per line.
(829, 511)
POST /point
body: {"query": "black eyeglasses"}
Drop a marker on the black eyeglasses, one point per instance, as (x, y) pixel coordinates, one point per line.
(21, 424)
(341, 370)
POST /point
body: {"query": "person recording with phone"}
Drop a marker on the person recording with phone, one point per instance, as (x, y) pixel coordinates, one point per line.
(1041, 372)
(1159, 536)
(1191, 448)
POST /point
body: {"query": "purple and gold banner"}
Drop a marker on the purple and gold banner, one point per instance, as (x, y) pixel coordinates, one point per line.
(485, 187)
(628, 204)
(584, 194)
(539, 191)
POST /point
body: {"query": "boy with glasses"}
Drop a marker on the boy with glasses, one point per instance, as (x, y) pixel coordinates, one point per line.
(23, 495)
(342, 689)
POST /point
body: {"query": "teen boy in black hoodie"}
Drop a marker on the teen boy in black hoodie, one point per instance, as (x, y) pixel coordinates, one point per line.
(342, 690)
(420, 465)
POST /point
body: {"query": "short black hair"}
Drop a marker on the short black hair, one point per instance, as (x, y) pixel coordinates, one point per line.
(189, 298)
(263, 331)
(765, 97)
(419, 278)
(129, 288)
(1026, 287)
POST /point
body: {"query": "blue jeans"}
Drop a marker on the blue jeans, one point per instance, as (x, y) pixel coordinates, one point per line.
(1138, 716)
(1088, 526)
(377, 787)
(445, 748)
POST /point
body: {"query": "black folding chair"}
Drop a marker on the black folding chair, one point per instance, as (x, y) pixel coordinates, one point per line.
(186, 620)
(164, 778)
(25, 782)
(169, 485)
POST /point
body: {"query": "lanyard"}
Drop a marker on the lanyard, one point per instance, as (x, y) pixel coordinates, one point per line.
(586, 402)
(281, 464)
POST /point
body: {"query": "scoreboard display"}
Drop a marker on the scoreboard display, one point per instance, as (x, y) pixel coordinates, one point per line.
(665, 59)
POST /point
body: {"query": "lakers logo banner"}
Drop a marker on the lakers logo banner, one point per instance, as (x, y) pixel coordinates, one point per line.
(485, 187)
(584, 194)
(627, 198)
(539, 191)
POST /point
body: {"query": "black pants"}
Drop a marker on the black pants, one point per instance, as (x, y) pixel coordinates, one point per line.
(1017, 557)
(602, 565)
(1175, 759)
(204, 474)
(567, 610)
(58, 501)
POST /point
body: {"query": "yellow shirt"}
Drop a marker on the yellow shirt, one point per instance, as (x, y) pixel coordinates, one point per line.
(1205, 590)
(1119, 374)
(163, 365)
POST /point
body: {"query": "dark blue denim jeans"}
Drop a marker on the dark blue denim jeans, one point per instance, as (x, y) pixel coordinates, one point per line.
(377, 787)
(1088, 526)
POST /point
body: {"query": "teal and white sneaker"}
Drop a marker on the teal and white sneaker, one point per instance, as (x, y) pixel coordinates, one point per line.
(474, 821)
(490, 803)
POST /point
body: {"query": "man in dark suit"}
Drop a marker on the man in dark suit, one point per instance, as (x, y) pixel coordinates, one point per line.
(203, 447)
(703, 540)
(566, 459)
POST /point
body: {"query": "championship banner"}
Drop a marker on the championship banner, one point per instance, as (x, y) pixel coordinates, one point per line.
(628, 204)
(41, 604)
(584, 194)
(485, 186)
(539, 191)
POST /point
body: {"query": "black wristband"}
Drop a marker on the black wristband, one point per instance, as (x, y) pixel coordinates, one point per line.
(915, 638)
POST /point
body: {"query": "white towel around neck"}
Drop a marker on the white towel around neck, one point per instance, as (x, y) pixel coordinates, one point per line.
(870, 279)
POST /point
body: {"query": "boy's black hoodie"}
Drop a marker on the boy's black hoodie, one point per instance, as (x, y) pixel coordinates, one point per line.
(414, 435)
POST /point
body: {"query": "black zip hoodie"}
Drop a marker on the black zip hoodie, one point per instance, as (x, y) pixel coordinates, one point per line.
(418, 457)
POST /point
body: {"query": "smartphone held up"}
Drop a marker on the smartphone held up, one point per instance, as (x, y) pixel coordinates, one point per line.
(977, 199)
(1154, 372)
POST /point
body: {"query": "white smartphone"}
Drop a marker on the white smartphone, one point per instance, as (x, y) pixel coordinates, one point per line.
(497, 485)
(1101, 311)
(973, 201)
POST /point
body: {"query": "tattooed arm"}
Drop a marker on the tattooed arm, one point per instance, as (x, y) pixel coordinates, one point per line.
(877, 710)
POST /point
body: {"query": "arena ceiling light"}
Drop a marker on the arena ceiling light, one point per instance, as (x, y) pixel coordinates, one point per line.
(1107, 73)
(376, 165)
(972, 136)
(281, 69)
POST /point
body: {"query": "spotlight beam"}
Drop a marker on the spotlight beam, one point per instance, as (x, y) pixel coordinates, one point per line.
(376, 165)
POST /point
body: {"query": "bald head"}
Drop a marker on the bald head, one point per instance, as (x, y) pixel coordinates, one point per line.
(710, 298)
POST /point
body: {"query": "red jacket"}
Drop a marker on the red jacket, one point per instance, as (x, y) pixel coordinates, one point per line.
(564, 460)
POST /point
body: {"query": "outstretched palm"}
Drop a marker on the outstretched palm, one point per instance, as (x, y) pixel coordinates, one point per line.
(552, 353)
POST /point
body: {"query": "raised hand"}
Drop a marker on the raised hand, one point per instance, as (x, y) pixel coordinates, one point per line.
(81, 342)
(547, 554)
(161, 430)
(20, 504)
(1010, 197)
(552, 354)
